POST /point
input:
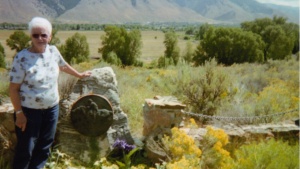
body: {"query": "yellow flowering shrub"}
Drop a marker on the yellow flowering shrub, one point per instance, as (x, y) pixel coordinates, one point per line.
(180, 144)
(182, 150)
(213, 153)
(277, 97)
(218, 134)
(184, 163)
(192, 123)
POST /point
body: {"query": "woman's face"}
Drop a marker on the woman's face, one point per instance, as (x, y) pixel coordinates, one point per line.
(40, 37)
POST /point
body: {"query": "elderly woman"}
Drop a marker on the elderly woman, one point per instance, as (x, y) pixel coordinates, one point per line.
(34, 94)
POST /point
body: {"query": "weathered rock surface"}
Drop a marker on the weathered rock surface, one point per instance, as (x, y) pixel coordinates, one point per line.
(161, 112)
(87, 146)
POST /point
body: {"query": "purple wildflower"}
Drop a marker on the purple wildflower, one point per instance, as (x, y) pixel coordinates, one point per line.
(121, 144)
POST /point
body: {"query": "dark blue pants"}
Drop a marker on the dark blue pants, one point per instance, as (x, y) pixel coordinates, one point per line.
(33, 144)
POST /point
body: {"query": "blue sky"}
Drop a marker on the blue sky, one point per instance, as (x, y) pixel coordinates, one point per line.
(294, 3)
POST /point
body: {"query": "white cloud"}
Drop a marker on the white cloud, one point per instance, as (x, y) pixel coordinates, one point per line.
(294, 3)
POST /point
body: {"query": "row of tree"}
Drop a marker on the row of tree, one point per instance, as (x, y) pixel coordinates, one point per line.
(75, 49)
(100, 27)
(254, 41)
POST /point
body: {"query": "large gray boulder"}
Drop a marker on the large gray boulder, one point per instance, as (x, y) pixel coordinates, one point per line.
(91, 119)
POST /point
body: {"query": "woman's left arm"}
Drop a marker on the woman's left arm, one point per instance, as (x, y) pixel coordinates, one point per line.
(70, 70)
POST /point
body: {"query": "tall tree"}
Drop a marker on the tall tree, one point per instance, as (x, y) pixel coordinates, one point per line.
(171, 43)
(126, 45)
(76, 49)
(203, 28)
(133, 47)
(200, 56)
(229, 46)
(276, 33)
(18, 41)
(112, 41)
(2, 61)
(292, 30)
(278, 44)
(188, 53)
(2, 49)
(2, 57)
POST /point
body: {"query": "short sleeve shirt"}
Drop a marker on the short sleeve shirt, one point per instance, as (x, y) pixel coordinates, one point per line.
(38, 75)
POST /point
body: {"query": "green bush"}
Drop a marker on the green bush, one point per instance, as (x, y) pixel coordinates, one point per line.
(4, 83)
(112, 58)
(263, 89)
(125, 44)
(229, 46)
(206, 92)
(271, 154)
(213, 143)
(76, 49)
(164, 62)
(2, 57)
(18, 41)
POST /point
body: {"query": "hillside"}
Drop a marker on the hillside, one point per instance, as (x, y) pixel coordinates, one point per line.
(229, 10)
(141, 11)
(107, 11)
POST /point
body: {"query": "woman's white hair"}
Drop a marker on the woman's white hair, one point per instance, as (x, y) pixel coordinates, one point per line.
(39, 22)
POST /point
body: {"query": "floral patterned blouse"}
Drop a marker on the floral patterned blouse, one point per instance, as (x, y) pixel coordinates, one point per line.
(38, 75)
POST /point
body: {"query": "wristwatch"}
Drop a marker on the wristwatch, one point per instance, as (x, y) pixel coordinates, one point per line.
(19, 111)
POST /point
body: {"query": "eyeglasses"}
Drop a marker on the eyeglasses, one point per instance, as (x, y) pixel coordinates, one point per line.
(37, 36)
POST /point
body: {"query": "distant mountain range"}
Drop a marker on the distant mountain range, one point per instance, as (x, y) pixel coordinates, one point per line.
(142, 11)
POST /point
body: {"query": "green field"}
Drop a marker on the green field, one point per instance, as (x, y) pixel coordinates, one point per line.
(153, 46)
